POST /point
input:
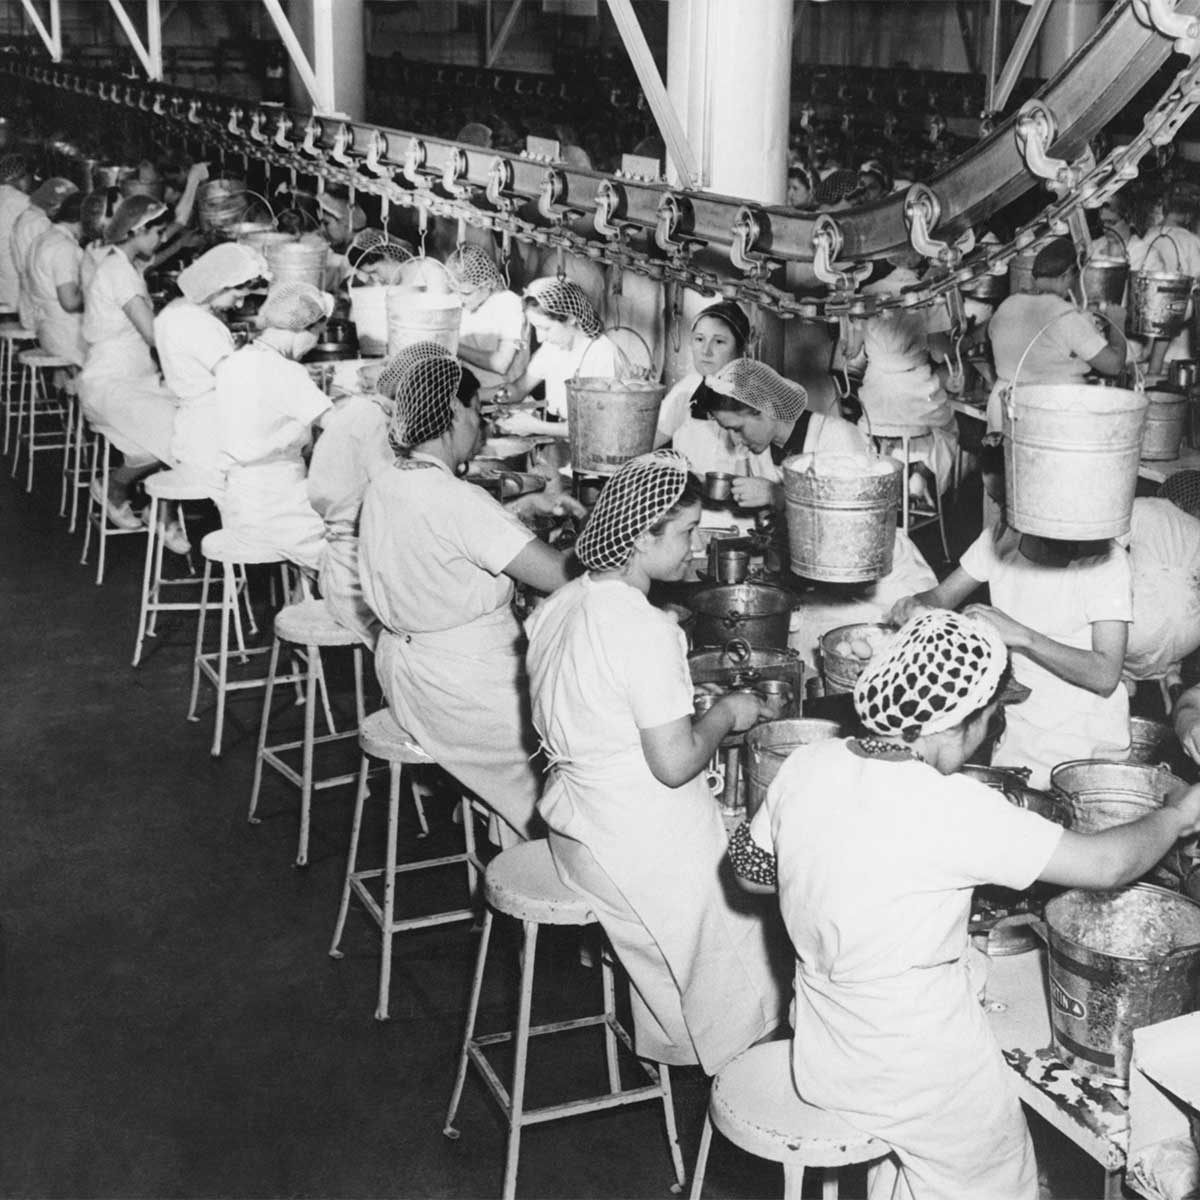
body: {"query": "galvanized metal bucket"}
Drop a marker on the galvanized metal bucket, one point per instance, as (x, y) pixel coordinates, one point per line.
(421, 317)
(610, 421)
(1158, 302)
(988, 288)
(1103, 793)
(841, 515)
(759, 613)
(1103, 280)
(369, 312)
(840, 669)
(298, 262)
(1118, 960)
(1071, 455)
(769, 744)
(1020, 271)
(1166, 419)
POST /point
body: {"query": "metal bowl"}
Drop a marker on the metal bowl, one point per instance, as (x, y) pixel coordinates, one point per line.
(510, 453)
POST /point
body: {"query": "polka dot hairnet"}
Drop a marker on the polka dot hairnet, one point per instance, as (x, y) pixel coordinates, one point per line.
(564, 299)
(635, 498)
(398, 365)
(940, 668)
(755, 385)
(425, 398)
(1183, 490)
(294, 306)
(471, 267)
(225, 266)
(12, 168)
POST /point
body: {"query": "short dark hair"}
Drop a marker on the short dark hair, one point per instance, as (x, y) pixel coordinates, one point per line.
(468, 386)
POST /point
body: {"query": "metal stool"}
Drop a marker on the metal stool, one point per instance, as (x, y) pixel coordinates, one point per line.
(381, 737)
(35, 399)
(522, 882)
(219, 547)
(906, 435)
(78, 455)
(12, 337)
(754, 1104)
(311, 625)
(96, 516)
(164, 485)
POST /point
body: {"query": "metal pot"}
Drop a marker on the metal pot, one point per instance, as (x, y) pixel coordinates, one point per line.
(759, 613)
(509, 453)
(738, 664)
(1014, 783)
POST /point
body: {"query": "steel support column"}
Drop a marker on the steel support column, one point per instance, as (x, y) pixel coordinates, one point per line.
(52, 38)
(1026, 37)
(149, 52)
(496, 45)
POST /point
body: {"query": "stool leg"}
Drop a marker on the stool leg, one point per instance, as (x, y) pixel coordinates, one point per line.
(468, 820)
(37, 392)
(152, 540)
(200, 623)
(610, 1011)
(68, 433)
(389, 891)
(155, 534)
(102, 517)
(419, 792)
(460, 1075)
(223, 659)
(352, 856)
(20, 420)
(262, 733)
(793, 1184)
(664, 1078)
(829, 1182)
(81, 446)
(87, 511)
(6, 384)
(701, 1159)
(520, 1057)
(306, 770)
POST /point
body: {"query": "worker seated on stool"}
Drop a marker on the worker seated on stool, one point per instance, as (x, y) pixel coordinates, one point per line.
(875, 846)
(632, 822)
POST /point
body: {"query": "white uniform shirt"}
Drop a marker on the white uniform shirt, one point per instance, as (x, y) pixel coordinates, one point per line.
(13, 202)
(54, 262)
(433, 549)
(191, 342)
(114, 344)
(1061, 340)
(352, 449)
(500, 319)
(1171, 248)
(1059, 720)
(594, 358)
(876, 861)
(27, 228)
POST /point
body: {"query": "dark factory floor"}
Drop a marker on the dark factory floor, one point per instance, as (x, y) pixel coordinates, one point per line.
(173, 1025)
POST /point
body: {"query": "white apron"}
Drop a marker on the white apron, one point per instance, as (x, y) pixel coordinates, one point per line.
(461, 692)
(341, 588)
(265, 506)
(124, 400)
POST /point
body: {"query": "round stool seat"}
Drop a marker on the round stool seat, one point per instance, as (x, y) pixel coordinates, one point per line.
(12, 332)
(523, 883)
(176, 485)
(310, 623)
(382, 736)
(222, 546)
(754, 1104)
(40, 358)
(896, 432)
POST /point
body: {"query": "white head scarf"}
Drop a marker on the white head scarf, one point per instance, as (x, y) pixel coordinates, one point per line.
(225, 266)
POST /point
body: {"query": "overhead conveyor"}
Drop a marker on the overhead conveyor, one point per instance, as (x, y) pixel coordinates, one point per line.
(711, 242)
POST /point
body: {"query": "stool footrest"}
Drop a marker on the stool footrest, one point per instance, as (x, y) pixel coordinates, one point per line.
(294, 777)
(404, 924)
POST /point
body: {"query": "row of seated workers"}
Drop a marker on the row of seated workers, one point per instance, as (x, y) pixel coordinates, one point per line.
(849, 932)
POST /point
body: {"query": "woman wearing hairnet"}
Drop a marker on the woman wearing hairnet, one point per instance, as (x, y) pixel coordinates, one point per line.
(15, 181)
(44, 203)
(119, 388)
(493, 339)
(266, 408)
(55, 288)
(632, 822)
(438, 558)
(192, 340)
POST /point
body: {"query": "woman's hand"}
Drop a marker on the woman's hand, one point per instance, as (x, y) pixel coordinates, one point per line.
(905, 609)
(555, 504)
(1186, 803)
(745, 709)
(518, 424)
(198, 172)
(753, 491)
(1012, 633)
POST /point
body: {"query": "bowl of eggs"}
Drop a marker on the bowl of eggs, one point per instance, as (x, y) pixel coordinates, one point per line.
(846, 650)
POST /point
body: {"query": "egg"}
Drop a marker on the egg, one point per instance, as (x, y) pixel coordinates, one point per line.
(861, 648)
(843, 648)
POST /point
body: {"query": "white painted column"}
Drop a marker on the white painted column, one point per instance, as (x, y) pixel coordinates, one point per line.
(1069, 23)
(332, 33)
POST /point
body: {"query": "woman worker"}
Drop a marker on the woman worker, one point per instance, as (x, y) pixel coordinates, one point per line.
(44, 203)
(632, 823)
(16, 179)
(266, 407)
(438, 558)
(572, 343)
(119, 388)
(493, 339)
(55, 290)
(719, 335)
(1045, 336)
(192, 340)
(1064, 609)
(889, 1033)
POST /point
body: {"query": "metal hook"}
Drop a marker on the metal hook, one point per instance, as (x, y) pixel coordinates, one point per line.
(283, 126)
(454, 172)
(922, 211)
(234, 122)
(256, 123)
(414, 160)
(342, 140)
(1162, 16)
(312, 131)
(376, 148)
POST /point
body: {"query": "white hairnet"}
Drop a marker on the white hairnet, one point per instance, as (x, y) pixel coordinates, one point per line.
(757, 386)
(294, 306)
(225, 266)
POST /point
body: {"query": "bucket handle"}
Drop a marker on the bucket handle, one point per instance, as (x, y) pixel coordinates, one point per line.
(624, 358)
(1029, 920)
(259, 196)
(1158, 238)
(737, 649)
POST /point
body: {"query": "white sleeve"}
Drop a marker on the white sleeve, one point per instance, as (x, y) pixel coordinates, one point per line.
(660, 685)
